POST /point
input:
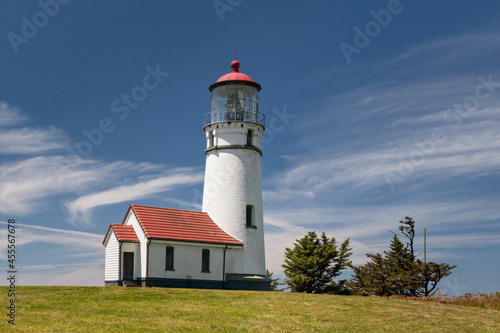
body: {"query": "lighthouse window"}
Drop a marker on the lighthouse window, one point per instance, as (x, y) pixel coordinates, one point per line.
(169, 261)
(248, 92)
(210, 139)
(249, 137)
(221, 92)
(205, 260)
(249, 216)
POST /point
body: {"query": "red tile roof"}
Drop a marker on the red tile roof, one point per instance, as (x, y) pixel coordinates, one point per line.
(124, 233)
(181, 225)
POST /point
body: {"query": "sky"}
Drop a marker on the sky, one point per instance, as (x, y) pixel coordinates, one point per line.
(375, 110)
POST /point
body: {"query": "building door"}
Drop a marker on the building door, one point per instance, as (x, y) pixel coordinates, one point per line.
(128, 266)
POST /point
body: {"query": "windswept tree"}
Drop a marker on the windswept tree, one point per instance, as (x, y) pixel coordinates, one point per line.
(275, 283)
(398, 271)
(312, 264)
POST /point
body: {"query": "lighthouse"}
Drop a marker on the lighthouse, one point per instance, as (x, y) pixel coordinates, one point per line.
(232, 194)
(221, 247)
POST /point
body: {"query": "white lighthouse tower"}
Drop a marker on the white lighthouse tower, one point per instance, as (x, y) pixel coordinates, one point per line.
(232, 194)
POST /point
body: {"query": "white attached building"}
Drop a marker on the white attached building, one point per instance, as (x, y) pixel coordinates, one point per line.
(222, 246)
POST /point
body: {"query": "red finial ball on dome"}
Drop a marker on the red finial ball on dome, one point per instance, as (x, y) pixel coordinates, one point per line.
(235, 75)
(235, 66)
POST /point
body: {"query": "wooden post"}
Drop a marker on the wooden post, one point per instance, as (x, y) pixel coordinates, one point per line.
(425, 246)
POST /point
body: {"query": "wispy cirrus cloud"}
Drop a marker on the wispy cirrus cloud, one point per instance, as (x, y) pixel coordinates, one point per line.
(384, 127)
(335, 180)
(10, 116)
(81, 207)
(26, 183)
(28, 140)
(32, 234)
(461, 53)
(468, 153)
(368, 227)
(43, 242)
(71, 274)
(61, 270)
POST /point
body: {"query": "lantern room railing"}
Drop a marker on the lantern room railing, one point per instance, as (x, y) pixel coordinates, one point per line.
(223, 116)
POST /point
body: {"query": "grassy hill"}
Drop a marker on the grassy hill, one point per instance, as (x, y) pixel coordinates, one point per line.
(97, 309)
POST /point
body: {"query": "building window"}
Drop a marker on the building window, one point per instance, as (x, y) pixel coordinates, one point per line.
(249, 137)
(205, 260)
(250, 214)
(169, 261)
(210, 139)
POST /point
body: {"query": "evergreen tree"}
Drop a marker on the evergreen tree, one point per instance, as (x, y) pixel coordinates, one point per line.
(408, 231)
(430, 274)
(275, 284)
(370, 279)
(398, 271)
(401, 269)
(313, 263)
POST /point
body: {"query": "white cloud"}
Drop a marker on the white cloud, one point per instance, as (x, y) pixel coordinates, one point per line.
(28, 140)
(321, 173)
(320, 180)
(452, 228)
(451, 52)
(386, 125)
(80, 208)
(86, 274)
(70, 246)
(25, 184)
(10, 116)
(75, 241)
(183, 203)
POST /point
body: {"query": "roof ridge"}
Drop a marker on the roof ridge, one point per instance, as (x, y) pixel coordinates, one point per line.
(176, 209)
(121, 225)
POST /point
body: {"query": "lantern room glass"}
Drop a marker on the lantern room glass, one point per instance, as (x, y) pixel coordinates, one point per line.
(234, 102)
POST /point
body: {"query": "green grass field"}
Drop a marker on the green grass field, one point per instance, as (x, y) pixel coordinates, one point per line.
(110, 309)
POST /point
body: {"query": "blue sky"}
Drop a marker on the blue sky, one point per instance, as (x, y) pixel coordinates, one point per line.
(376, 110)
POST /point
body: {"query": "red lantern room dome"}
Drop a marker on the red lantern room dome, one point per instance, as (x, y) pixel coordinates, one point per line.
(235, 75)
(235, 97)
